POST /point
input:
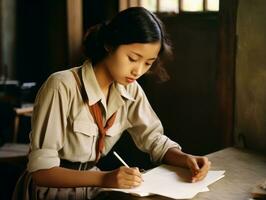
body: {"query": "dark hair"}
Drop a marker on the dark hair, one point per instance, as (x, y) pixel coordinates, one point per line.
(133, 25)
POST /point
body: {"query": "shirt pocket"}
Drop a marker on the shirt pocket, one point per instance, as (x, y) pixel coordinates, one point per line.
(85, 137)
(85, 127)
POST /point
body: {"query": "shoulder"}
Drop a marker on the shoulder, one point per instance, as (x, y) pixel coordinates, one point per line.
(61, 79)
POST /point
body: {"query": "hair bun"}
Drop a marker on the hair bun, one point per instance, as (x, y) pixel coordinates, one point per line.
(94, 41)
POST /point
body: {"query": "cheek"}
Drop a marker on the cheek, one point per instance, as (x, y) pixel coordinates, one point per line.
(115, 68)
(119, 65)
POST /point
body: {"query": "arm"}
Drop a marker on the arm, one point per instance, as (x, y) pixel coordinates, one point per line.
(198, 165)
(61, 177)
(146, 128)
(147, 133)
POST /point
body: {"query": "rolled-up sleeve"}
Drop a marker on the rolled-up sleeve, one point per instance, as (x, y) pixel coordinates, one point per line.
(48, 125)
(146, 128)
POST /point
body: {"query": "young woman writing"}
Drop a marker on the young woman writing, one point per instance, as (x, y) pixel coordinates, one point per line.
(80, 113)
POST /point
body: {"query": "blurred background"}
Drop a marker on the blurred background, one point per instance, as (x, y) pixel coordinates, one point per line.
(214, 99)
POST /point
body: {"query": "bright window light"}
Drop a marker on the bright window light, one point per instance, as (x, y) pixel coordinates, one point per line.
(191, 5)
(168, 6)
(212, 5)
(150, 5)
(172, 5)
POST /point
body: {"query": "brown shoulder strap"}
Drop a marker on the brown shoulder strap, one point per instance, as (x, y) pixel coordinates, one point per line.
(82, 92)
(81, 87)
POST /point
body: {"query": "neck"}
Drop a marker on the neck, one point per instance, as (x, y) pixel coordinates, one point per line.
(103, 77)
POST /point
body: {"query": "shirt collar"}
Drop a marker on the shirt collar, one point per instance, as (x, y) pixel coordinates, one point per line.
(123, 92)
(93, 90)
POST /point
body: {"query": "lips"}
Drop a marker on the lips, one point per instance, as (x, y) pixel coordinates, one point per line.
(130, 80)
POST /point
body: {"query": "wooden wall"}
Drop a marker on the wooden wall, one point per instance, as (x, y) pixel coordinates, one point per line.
(45, 34)
(250, 120)
(7, 38)
(41, 39)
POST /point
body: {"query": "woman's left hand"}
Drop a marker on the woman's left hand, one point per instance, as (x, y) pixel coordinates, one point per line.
(199, 167)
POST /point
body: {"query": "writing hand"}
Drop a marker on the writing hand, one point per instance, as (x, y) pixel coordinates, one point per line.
(123, 177)
(199, 167)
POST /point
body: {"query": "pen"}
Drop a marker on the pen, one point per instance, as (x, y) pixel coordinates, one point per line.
(122, 161)
(119, 158)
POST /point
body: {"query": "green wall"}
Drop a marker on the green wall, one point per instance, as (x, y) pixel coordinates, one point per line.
(250, 124)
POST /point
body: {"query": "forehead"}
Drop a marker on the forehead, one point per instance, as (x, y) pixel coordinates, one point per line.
(146, 50)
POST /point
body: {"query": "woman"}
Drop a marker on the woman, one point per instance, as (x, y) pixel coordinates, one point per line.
(80, 113)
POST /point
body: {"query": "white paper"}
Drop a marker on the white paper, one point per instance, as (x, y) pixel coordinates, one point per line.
(173, 182)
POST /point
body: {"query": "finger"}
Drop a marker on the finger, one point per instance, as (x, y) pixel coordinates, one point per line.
(131, 182)
(199, 176)
(128, 170)
(132, 174)
(133, 171)
(205, 166)
(127, 181)
(139, 173)
(133, 178)
(126, 185)
(194, 166)
(202, 173)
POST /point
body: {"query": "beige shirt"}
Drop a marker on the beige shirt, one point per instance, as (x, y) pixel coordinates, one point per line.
(63, 127)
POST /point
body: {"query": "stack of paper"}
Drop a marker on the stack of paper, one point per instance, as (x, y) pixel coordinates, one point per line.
(172, 182)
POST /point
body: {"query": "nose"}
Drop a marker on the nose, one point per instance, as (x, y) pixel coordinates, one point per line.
(137, 71)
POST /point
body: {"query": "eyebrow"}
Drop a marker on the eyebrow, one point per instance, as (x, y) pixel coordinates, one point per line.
(141, 55)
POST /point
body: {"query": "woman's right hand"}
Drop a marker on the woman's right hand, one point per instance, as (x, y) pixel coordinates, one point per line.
(122, 177)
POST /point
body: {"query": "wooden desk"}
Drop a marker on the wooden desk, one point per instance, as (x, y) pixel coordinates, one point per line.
(244, 169)
(25, 111)
(14, 153)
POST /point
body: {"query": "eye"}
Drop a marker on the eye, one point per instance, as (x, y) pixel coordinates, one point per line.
(131, 59)
(148, 64)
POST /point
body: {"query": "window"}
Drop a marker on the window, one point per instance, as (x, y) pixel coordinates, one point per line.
(175, 6)
(149, 4)
(191, 5)
(168, 6)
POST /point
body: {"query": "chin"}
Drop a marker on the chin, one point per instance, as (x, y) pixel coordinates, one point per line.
(124, 83)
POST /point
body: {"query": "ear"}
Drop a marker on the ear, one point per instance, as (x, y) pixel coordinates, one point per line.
(107, 48)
